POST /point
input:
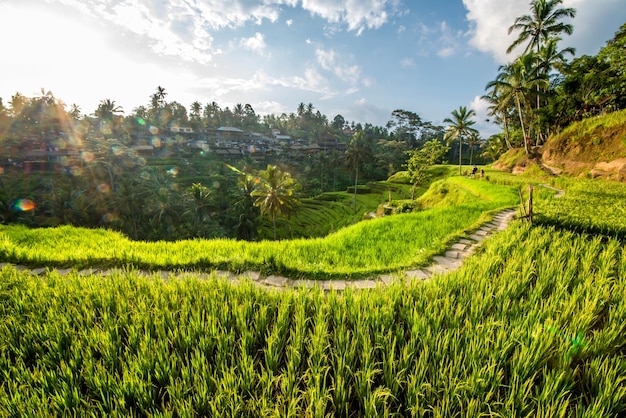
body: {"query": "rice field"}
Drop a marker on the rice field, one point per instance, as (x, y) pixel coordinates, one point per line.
(532, 325)
(377, 246)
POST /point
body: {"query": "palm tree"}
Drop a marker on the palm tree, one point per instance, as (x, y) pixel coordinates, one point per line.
(275, 194)
(543, 23)
(550, 58)
(460, 126)
(472, 141)
(238, 113)
(199, 205)
(515, 82)
(109, 114)
(160, 95)
(357, 153)
(196, 108)
(108, 110)
(246, 212)
(499, 110)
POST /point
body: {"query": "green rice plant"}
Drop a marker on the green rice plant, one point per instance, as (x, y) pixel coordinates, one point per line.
(592, 206)
(531, 325)
(381, 245)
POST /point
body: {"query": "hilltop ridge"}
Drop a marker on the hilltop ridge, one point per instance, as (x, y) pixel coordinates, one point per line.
(594, 148)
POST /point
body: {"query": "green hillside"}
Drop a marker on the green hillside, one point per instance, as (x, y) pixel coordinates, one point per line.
(531, 325)
(380, 245)
(594, 147)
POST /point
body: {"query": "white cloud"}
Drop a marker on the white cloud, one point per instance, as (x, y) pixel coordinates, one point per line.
(483, 119)
(289, 22)
(439, 39)
(328, 60)
(407, 63)
(362, 110)
(357, 14)
(595, 22)
(446, 52)
(255, 43)
(267, 107)
(490, 20)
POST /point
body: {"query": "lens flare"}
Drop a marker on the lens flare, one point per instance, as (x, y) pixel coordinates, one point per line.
(23, 205)
(141, 122)
(173, 171)
(117, 150)
(76, 171)
(104, 188)
(87, 156)
(154, 130)
(109, 217)
(155, 141)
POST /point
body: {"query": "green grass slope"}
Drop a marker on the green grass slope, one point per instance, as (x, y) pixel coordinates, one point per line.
(376, 246)
(593, 147)
(532, 325)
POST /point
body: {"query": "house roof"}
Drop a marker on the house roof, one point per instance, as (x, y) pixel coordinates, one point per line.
(229, 129)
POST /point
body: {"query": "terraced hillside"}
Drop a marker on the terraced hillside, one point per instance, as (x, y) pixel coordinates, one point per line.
(532, 324)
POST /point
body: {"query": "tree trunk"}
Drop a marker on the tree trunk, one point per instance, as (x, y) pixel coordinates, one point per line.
(506, 132)
(274, 223)
(356, 180)
(521, 120)
(460, 155)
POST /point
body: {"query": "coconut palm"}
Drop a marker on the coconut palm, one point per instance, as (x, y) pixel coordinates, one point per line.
(275, 194)
(500, 111)
(515, 83)
(199, 205)
(356, 154)
(460, 126)
(542, 24)
(550, 58)
(472, 141)
(108, 110)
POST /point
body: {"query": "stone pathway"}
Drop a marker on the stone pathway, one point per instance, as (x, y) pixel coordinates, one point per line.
(451, 260)
(559, 192)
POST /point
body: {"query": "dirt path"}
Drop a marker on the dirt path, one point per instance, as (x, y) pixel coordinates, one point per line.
(449, 261)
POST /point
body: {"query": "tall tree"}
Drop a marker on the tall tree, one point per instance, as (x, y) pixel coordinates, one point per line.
(420, 161)
(460, 126)
(543, 23)
(472, 141)
(515, 84)
(500, 111)
(407, 124)
(538, 28)
(199, 204)
(275, 194)
(357, 153)
(108, 110)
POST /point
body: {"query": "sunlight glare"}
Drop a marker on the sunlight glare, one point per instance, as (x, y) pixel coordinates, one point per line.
(23, 205)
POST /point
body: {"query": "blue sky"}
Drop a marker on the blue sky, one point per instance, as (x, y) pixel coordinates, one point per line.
(358, 58)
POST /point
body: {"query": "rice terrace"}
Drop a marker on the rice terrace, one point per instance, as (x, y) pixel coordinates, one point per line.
(217, 262)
